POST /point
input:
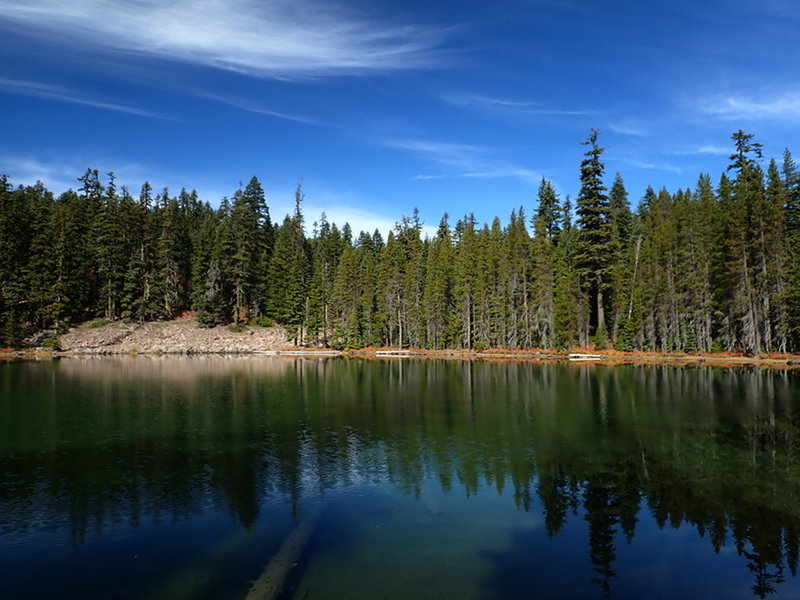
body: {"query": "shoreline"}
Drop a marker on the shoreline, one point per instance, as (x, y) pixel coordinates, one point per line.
(183, 337)
(496, 355)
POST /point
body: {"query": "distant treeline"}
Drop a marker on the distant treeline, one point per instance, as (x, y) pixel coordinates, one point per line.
(713, 268)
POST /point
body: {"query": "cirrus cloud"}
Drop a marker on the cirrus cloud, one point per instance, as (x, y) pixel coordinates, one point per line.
(276, 39)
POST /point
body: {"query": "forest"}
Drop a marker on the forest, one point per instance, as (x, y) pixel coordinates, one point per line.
(714, 268)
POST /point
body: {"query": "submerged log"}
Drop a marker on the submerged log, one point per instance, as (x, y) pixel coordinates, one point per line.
(270, 583)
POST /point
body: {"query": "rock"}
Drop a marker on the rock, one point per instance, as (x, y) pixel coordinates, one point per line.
(171, 337)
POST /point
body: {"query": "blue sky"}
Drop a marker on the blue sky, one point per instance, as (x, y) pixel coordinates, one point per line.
(380, 107)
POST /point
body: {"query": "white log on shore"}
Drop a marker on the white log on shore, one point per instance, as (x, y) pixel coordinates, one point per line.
(580, 356)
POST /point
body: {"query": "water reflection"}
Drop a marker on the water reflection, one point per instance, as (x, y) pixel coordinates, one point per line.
(85, 443)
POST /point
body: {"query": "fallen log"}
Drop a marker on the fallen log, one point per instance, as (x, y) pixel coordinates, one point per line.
(578, 356)
(270, 583)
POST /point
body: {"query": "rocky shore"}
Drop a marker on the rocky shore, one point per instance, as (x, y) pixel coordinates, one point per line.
(180, 336)
(185, 336)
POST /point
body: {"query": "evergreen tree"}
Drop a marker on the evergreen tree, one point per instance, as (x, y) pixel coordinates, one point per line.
(570, 304)
(15, 238)
(168, 280)
(40, 267)
(370, 249)
(217, 301)
(490, 317)
(74, 284)
(702, 278)
(546, 227)
(289, 273)
(772, 253)
(516, 270)
(137, 272)
(438, 291)
(621, 222)
(791, 212)
(108, 247)
(749, 254)
(251, 228)
(204, 240)
(722, 273)
(326, 248)
(594, 250)
(245, 260)
(346, 298)
(465, 282)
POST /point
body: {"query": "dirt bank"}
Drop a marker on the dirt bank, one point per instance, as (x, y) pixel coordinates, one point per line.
(181, 336)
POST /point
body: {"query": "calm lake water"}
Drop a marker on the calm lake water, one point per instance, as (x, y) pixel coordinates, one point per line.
(185, 477)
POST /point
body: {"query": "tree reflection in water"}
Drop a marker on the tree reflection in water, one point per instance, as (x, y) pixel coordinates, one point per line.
(84, 443)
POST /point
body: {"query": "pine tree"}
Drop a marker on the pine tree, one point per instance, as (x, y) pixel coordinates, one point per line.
(137, 271)
(15, 238)
(409, 235)
(326, 248)
(216, 302)
(621, 222)
(465, 281)
(401, 279)
(248, 249)
(41, 268)
(438, 291)
(772, 252)
(516, 269)
(72, 292)
(570, 304)
(594, 251)
(204, 251)
(92, 195)
(255, 237)
(108, 248)
(747, 259)
(490, 317)
(346, 318)
(369, 249)
(722, 273)
(547, 229)
(791, 212)
(289, 273)
(168, 280)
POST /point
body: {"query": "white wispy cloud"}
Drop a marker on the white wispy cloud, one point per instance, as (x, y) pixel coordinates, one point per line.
(657, 166)
(477, 100)
(428, 177)
(358, 219)
(60, 174)
(464, 160)
(61, 94)
(508, 105)
(263, 110)
(632, 127)
(275, 38)
(780, 106)
(25, 170)
(340, 207)
(445, 153)
(710, 149)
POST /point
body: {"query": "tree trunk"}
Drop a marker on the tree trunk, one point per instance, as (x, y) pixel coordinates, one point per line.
(601, 313)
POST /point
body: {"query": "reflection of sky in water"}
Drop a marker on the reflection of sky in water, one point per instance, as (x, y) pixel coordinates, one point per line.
(181, 477)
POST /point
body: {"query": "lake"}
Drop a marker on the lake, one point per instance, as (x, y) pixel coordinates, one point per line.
(176, 477)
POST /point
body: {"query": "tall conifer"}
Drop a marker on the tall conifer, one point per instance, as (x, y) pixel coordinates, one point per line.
(594, 251)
